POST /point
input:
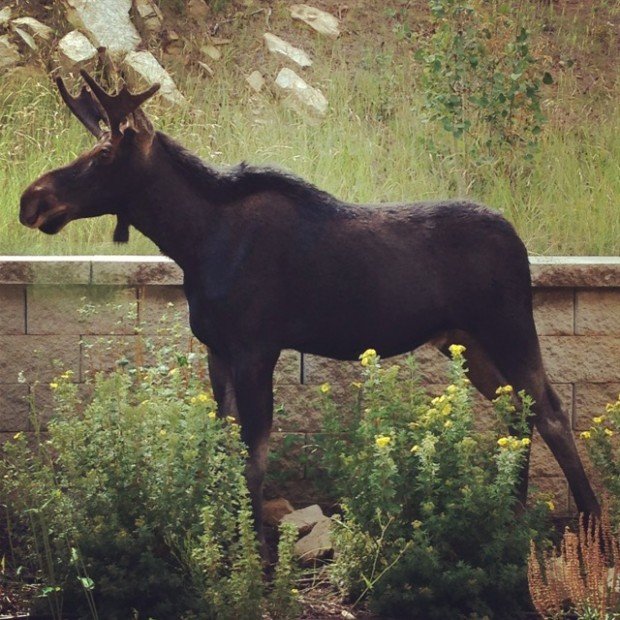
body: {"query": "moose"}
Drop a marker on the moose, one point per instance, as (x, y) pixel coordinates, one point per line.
(270, 262)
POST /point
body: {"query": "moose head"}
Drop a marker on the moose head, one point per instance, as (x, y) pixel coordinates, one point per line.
(99, 181)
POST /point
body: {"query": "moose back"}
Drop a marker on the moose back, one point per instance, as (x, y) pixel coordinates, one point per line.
(271, 263)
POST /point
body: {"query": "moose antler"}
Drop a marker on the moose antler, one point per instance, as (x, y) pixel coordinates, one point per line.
(93, 104)
(85, 107)
(118, 107)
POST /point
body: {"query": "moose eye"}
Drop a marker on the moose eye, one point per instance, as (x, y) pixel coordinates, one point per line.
(104, 155)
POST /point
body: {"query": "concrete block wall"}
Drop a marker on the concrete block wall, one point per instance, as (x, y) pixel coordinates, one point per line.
(76, 313)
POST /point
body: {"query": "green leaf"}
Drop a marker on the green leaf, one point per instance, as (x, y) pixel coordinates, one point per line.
(547, 78)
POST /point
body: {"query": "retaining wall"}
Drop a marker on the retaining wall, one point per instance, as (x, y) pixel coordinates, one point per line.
(77, 313)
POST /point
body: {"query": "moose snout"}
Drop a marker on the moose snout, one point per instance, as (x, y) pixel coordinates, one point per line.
(35, 203)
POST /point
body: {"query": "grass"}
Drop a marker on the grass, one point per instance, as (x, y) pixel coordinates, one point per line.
(370, 148)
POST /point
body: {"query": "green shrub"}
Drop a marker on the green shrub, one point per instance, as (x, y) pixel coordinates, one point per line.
(480, 77)
(429, 527)
(134, 504)
(603, 449)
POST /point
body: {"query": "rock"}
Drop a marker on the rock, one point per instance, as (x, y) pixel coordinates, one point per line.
(143, 69)
(276, 45)
(5, 15)
(27, 38)
(9, 54)
(301, 96)
(305, 518)
(106, 23)
(206, 68)
(198, 10)
(256, 81)
(75, 51)
(34, 27)
(211, 51)
(172, 42)
(321, 21)
(317, 544)
(220, 41)
(275, 509)
(149, 15)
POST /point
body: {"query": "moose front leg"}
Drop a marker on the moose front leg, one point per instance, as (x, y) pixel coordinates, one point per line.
(253, 381)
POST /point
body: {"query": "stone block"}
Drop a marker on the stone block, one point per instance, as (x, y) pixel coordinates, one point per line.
(318, 370)
(159, 305)
(39, 358)
(14, 407)
(542, 461)
(81, 310)
(554, 311)
(12, 309)
(590, 401)
(297, 408)
(598, 312)
(554, 488)
(288, 369)
(44, 270)
(135, 271)
(582, 358)
(575, 271)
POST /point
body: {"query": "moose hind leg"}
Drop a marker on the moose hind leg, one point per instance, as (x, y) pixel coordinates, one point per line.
(554, 428)
(515, 351)
(220, 373)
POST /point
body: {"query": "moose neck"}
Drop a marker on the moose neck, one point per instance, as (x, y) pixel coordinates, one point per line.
(173, 205)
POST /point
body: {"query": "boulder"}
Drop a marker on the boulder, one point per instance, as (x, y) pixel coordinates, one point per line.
(301, 96)
(322, 22)
(75, 51)
(317, 544)
(5, 16)
(106, 23)
(9, 54)
(305, 518)
(34, 27)
(275, 509)
(210, 51)
(148, 14)
(256, 81)
(27, 38)
(279, 46)
(198, 10)
(142, 70)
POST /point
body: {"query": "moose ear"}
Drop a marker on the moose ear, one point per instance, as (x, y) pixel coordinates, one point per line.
(138, 128)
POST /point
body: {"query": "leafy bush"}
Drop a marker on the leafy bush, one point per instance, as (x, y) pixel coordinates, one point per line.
(603, 449)
(135, 504)
(429, 528)
(480, 76)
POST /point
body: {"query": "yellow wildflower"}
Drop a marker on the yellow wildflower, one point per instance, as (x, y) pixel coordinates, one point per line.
(382, 440)
(526, 441)
(504, 389)
(608, 432)
(53, 385)
(502, 442)
(416, 524)
(357, 384)
(457, 350)
(414, 449)
(326, 388)
(211, 415)
(447, 424)
(367, 356)
(585, 435)
(163, 432)
(447, 409)
(18, 435)
(203, 397)
(452, 389)
(67, 374)
(294, 591)
(551, 505)
(231, 419)
(598, 420)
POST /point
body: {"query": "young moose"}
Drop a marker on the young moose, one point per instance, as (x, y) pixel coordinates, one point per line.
(272, 263)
